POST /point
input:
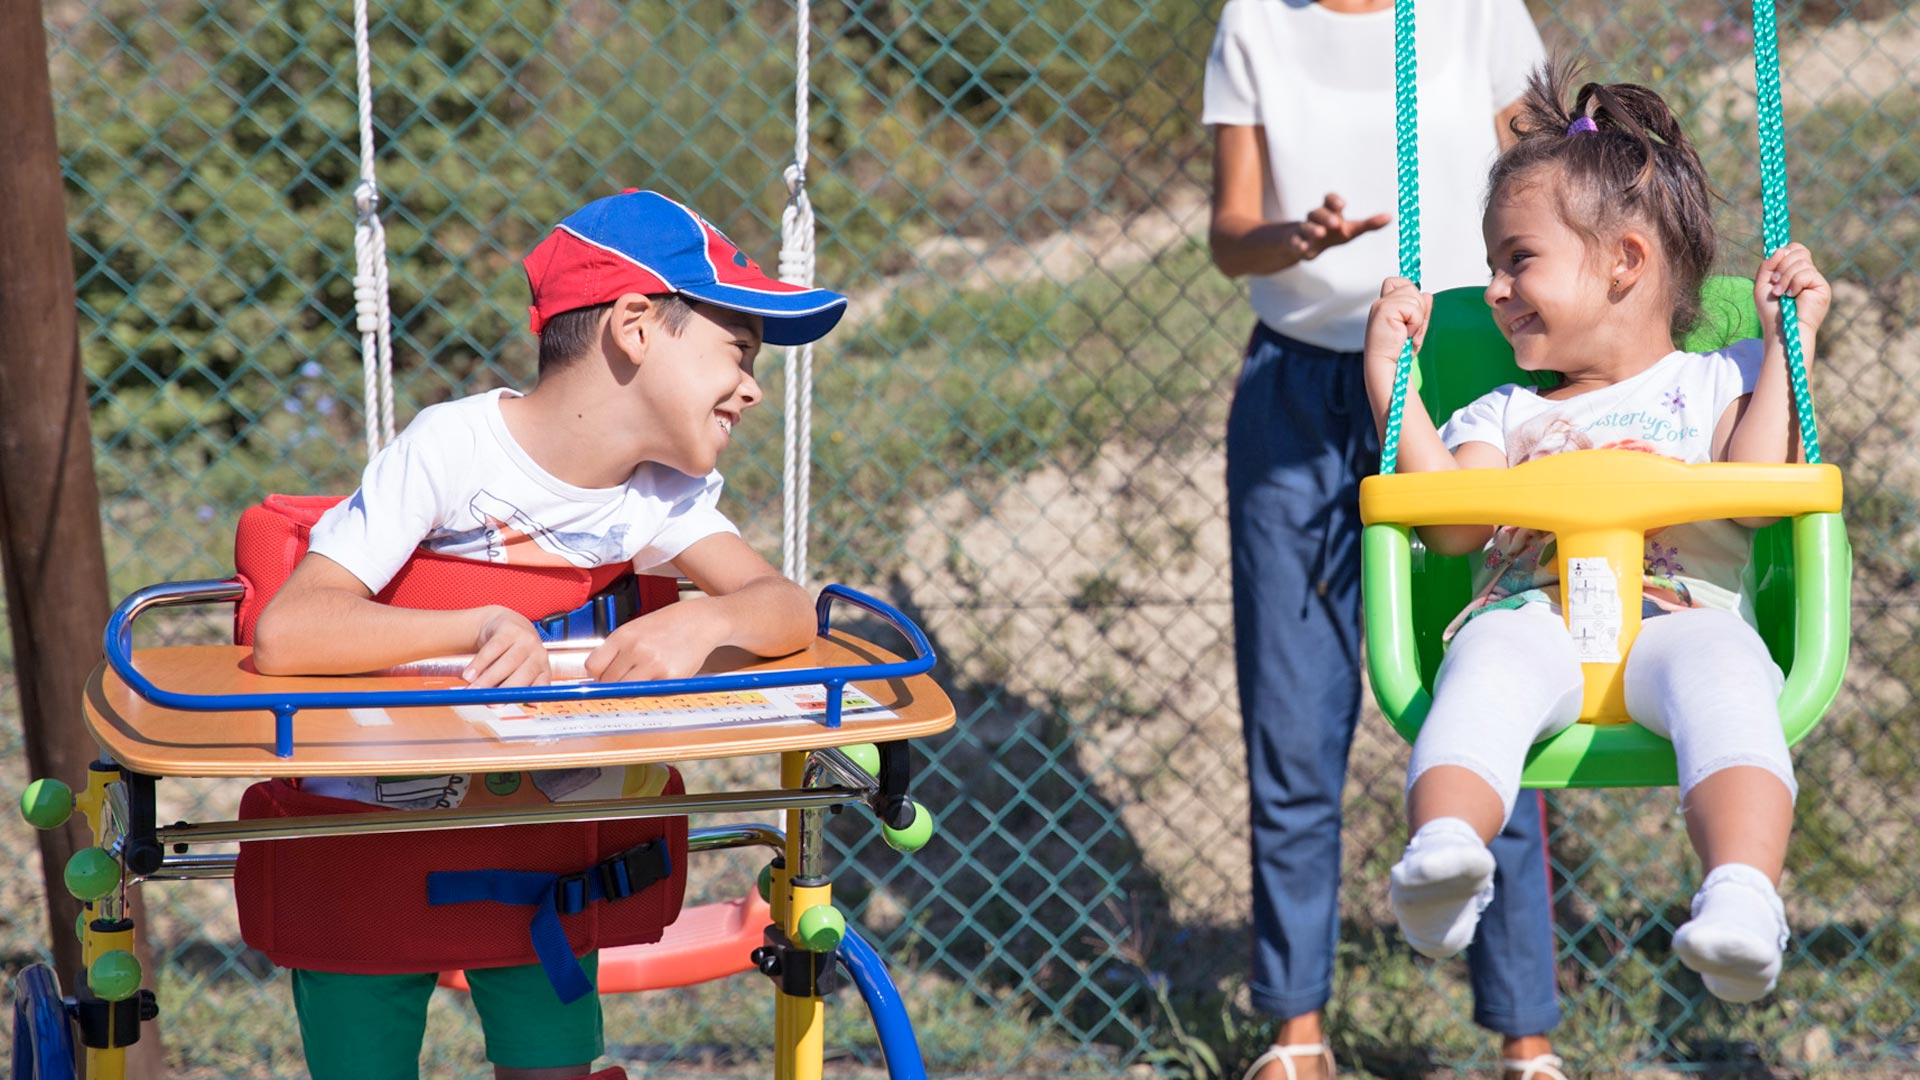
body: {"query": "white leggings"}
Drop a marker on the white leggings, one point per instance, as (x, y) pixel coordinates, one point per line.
(1701, 678)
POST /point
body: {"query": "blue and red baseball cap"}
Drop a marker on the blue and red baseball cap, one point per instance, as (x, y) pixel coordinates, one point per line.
(643, 242)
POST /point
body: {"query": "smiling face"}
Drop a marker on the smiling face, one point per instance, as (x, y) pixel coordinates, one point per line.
(699, 383)
(1549, 291)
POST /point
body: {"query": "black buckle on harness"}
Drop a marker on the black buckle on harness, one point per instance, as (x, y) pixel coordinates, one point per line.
(613, 878)
(570, 893)
(634, 869)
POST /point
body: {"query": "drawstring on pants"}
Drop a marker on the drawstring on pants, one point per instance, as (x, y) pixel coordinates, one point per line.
(1354, 451)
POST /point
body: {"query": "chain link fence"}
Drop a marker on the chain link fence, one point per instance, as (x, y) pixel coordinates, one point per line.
(1017, 438)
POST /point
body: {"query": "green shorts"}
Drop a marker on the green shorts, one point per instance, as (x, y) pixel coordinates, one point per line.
(370, 1027)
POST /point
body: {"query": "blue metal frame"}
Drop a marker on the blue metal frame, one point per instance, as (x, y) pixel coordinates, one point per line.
(119, 647)
(42, 1039)
(897, 1042)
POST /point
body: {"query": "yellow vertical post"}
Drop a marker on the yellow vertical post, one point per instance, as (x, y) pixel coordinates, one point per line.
(91, 802)
(109, 1063)
(106, 1064)
(799, 1022)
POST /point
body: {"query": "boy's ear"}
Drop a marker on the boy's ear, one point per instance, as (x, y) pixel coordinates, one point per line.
(627, 327)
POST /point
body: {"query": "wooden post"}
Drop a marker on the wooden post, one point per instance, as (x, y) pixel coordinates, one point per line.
(54, 563)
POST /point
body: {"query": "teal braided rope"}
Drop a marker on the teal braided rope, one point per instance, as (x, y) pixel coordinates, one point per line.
(1775, 226)
(1406, 115)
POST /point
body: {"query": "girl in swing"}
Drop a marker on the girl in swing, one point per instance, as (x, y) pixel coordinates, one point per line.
(1599, 234)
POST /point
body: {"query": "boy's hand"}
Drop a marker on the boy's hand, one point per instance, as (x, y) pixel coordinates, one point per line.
(1400, 314)
(671, 643)
(1790, 272)
(1327, 226)
(508, 652)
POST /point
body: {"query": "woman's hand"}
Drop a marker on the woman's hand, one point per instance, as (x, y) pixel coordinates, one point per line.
(1240, 238)
(1790, 272)
(1399, 316)
(1327, 226)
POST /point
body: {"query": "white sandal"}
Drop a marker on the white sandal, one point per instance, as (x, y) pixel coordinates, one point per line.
(1538, 1067)
(1285, 1055)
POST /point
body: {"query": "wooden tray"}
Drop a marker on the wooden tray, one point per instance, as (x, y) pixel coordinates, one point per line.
(159, 741)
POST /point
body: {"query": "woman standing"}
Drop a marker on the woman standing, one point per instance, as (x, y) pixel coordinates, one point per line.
(1300, 97)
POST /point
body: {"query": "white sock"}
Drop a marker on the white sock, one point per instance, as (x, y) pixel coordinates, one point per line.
(1737, 934)
(1440, 886)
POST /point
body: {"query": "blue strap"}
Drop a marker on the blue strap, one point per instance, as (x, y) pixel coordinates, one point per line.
(554, 895)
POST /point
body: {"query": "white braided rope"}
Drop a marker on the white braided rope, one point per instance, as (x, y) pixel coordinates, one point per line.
(796, 267)
(373, 311)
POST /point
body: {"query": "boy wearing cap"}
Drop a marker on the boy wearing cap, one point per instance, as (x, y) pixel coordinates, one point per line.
(649, 320)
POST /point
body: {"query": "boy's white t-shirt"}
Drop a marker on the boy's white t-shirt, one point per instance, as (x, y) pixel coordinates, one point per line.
(455, 482)
(1671, 410)
(1320, 84)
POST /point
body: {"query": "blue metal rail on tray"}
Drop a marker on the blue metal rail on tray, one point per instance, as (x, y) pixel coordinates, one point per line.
(119, 646)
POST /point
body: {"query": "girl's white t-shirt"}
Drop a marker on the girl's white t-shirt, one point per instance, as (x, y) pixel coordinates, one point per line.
(455, 482)
(1321, 85)
(1671, 410)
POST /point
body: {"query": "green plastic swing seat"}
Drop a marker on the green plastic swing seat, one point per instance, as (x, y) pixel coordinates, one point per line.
(1800, 572)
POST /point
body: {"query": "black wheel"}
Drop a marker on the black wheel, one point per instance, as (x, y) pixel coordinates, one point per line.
(42, 1041)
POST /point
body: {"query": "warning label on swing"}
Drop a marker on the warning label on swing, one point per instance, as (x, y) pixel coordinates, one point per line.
(1593, 610)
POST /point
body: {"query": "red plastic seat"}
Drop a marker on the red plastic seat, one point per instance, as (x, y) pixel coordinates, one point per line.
(708, 942)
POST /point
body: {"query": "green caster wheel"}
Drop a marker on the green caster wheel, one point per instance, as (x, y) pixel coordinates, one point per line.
(822, 928)
(764, 883)
(913, 837)
(46, 804)
(115, 976)
(92, 874)
(866, 755)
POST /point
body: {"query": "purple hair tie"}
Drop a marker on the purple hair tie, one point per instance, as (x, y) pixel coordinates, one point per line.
(1585, 123)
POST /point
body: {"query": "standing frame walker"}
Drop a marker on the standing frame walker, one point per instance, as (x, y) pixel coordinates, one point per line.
(236, 723)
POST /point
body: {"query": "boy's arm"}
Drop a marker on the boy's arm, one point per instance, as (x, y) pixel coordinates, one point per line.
(324, 621)
(747, 605)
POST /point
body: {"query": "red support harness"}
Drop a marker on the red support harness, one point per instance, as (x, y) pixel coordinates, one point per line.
(359, 904)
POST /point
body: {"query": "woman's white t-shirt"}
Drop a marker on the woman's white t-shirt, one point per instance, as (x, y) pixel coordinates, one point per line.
(1321, 85)
(1671, 410)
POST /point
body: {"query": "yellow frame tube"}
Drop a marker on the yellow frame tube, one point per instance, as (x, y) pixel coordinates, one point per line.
(799, 1023)
(106, 1064)
(110, 1063)
(91, 801)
